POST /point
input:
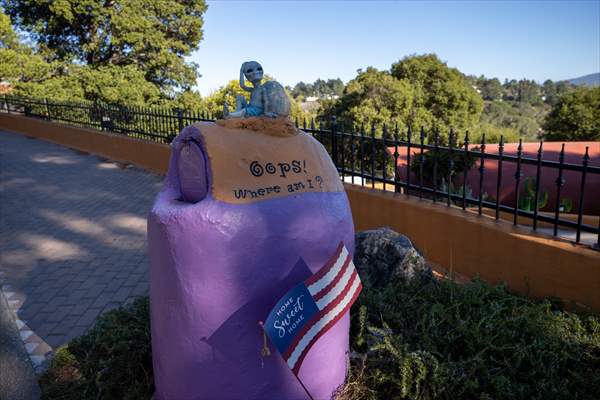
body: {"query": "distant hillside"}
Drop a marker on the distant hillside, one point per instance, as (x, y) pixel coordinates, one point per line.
(587, 80)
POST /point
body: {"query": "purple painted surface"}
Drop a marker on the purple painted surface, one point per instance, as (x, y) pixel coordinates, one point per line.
(191, 169)
(216, 269)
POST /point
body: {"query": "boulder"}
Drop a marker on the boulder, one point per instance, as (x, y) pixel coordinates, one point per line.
(382, 256)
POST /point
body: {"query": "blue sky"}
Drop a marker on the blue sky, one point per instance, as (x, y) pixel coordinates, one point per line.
(305, 40)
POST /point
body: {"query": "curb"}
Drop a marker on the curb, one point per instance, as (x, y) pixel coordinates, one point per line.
(38, 350)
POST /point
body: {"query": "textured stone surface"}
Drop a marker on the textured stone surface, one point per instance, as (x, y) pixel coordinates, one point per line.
(72, 234)
(382, 255)
(17, 379)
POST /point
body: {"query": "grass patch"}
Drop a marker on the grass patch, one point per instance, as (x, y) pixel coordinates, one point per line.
(423, 339)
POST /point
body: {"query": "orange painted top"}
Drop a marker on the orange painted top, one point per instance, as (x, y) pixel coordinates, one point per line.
(248, 166)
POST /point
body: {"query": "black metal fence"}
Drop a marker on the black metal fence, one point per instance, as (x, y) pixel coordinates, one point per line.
(150, 123)
(370, 158)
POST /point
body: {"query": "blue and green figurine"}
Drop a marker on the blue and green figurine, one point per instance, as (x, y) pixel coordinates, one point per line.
(268, 99)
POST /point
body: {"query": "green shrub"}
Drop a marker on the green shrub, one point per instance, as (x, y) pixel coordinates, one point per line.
(527, 199)
(112, 361)
(439, 340)
(423, 339)
(442, 159)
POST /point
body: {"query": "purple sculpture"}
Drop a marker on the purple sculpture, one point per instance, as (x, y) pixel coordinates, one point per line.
(238, 212)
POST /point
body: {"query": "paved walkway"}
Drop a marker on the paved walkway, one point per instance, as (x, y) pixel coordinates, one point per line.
(72, 238)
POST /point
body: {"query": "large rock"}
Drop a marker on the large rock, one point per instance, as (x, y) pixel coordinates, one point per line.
(382, 256)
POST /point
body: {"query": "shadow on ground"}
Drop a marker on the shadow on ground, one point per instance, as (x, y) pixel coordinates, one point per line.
(72, 236)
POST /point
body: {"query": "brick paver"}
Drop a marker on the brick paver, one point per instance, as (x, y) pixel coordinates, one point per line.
(72, 235)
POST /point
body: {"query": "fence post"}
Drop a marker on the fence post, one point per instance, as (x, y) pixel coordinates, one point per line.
(100, 114)
(6, 103)
(334, 141)
(180, 119)
(47, 109)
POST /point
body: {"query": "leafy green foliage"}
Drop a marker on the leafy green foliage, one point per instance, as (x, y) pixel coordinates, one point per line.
(527, 198)
(428, 339)
(151, 37)
(491, 89)
(125, 52)
(576, 116)
(418, 339)
(442, 158)
(112, 361)
(419, 91)
(494, 132)
(18, 62)
(523, 120)
(515, 109)
(132, 53)
(319, 88)
(553, 90)
(375, 97)
(566, 205)
(442, 94)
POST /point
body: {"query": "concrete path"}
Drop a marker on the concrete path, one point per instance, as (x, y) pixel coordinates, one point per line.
(72, 238)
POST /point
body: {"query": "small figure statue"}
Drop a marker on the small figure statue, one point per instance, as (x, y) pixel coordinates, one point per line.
(267, 99)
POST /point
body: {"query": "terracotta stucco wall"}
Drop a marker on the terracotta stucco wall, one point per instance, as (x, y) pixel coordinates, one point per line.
(574, 152)
(467, 244)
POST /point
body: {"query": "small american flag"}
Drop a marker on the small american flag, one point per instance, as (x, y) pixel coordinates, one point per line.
(312, 307)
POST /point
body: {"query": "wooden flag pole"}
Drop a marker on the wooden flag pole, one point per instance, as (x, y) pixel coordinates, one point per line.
(266, 352)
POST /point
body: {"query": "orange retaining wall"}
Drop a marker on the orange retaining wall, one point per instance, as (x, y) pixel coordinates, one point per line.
(473, 245)
(148, 155)
(467, 244)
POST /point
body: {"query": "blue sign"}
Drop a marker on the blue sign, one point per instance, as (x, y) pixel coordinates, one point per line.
(289, 316)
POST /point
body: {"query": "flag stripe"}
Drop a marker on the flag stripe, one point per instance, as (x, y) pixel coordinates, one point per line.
(334, 282)
(327, 326)
(308, 339)
(322, 319)
(320, 273)
(330, 274)
(344, 278)
(300, 335)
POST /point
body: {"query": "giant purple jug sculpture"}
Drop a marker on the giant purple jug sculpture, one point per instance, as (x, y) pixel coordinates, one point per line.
(217, 268)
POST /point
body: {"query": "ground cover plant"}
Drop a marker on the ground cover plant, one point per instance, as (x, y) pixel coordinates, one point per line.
(112, 361)
(421, 339)
(429, 339)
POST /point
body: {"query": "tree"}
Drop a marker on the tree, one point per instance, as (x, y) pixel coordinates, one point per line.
(376, 97)
(18, 62)
(576, 116)
(302, 89)
(553, 90)
(213, 103)
(441, 92)
(336, 87)
(8, 38)
(31, 74)
(491, 89)
(550, 92)
(149, 39)
(528, 92)
(511, 90)
(420, 91)
(320, 88)
(512, 115)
